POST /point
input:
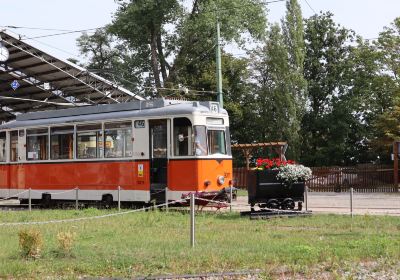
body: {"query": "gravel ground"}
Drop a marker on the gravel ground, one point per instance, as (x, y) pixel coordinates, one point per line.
(339, 203)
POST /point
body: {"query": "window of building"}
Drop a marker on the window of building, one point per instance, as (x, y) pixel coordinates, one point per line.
(3, 147)
(14, 145)
(200, 141)
(118, 139)
(216, 142)
(182, 137)
(36, 144)
(89, 141)
(62, 142)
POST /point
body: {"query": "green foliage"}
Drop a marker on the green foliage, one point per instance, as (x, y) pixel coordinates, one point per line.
(30, 243)
(328, 93)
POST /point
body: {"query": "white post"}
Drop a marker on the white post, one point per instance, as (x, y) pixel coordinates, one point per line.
(192, 226)
(119, 198)
(76, 198)
(351, 202)
(29, 200)
(306, 196)
(166, 199)
(230, 199)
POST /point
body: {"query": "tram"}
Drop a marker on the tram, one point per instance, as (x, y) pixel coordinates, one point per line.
(141, 147)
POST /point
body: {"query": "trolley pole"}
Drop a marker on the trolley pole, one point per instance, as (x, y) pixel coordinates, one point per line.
(220, 98)
(76, 198)
(192, 222)
(351, 202)
(119, 198)
(29, 200)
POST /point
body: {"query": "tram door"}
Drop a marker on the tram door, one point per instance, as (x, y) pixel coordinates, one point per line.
(158, 158)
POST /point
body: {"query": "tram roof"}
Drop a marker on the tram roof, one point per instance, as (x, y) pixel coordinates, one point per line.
(137, 109)
(46, 82)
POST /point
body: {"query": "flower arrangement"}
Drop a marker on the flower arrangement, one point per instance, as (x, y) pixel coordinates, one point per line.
(266, 163)
(289, 171)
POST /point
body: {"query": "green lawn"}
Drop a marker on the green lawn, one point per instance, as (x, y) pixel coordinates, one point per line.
(154, 243)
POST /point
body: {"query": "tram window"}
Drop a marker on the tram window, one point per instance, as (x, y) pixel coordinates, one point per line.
(14, 145)
(182, 137)
(118, 139)
(200, 141)
(36, 144)
(216, 142)
(62, 142)
(89, 141)
(2, 146)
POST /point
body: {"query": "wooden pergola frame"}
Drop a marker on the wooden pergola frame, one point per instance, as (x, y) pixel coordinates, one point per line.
(247, 149)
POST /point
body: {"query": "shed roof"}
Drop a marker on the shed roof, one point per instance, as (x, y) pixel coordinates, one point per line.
(46, 82)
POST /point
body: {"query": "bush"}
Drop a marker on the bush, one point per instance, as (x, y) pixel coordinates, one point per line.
(66, 241)
(30, 242)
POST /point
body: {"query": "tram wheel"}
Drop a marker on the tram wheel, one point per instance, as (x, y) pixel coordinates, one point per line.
(46, 200)
(107, 201)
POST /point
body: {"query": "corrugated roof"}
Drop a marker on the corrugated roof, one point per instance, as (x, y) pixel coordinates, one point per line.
(46, 82)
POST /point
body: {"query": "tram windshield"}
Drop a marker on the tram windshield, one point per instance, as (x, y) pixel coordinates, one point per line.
(200, 140)
(216, 142)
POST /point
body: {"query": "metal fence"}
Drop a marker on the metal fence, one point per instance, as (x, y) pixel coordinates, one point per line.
(362, 178)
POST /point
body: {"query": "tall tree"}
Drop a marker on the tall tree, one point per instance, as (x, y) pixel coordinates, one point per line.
(276, 103)
(293, 31)
(142, 24)
(327, 59)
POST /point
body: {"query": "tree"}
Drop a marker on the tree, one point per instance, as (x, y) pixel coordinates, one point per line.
(142, 24)
(276, 109)
(293, 32)
(325, 124)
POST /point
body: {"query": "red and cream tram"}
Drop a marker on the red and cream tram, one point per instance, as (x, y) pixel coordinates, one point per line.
(143, 147)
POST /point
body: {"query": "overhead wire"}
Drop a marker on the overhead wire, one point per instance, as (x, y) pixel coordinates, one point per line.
(308, 4)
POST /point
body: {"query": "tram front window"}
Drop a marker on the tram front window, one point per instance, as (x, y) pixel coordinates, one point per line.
(118, 140)
(89, 141)
(216, 142)
(2, 146)
(36, 144)
(62, 142)
(200, 140)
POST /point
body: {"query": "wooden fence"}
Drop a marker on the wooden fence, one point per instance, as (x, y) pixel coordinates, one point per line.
(362, 178)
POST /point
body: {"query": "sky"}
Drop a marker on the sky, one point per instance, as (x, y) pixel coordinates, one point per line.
(366, 17)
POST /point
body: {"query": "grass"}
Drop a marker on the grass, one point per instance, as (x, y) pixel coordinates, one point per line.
(242, 192)
(154, 243)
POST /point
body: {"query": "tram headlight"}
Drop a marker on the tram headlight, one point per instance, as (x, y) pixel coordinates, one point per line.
(221, 180)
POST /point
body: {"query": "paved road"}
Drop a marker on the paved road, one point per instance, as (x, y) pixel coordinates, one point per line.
(363, 203)
(370, 203)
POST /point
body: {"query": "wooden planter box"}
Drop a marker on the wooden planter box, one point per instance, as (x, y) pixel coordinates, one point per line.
(263, 186)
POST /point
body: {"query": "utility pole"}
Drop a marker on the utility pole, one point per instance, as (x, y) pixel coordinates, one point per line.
(219, 69)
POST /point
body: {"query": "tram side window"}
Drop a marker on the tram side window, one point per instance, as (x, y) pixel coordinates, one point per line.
(216, 142)
(62, 142)
(89, 141)
(2, 146)
(14, 145)
(36, 144)
(118, 139)
(182, 137)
